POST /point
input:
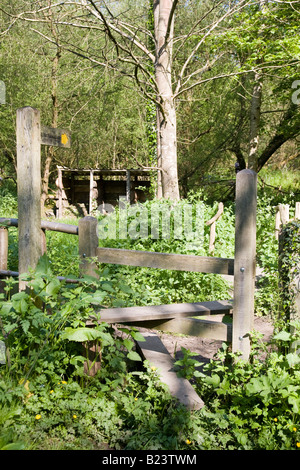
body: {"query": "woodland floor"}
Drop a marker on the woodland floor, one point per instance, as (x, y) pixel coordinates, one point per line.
(207, 348)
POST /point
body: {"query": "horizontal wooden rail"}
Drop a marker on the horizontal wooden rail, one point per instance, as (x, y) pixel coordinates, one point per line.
(164, 312)
(7, 273)
(45, 225)
(172, 261)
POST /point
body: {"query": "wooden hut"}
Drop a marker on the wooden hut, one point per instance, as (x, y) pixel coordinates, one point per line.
(92, 188)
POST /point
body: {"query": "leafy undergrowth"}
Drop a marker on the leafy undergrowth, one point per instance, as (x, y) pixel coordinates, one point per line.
(49, 402)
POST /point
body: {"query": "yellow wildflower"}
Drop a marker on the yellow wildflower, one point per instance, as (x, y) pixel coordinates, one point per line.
(51, 391)
(38, 417)
(188, 441)
(153, 368)
(294, 429)
(74, 416)
(275, 419)
(298, 444)
(63, 382)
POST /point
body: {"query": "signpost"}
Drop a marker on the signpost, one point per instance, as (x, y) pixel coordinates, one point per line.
(55, 137)
(30, 136)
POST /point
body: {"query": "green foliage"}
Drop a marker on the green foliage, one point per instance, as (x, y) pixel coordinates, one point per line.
(250, 405)
(47, 402)
(43, 328)
(289, 268)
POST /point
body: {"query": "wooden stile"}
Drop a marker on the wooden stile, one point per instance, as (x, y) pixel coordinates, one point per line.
(203, 264)
(164, 312)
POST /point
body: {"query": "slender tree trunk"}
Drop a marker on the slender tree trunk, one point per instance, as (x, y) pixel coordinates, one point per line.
(255, 114)
(167, 139)
(54, 123)
(51, 150)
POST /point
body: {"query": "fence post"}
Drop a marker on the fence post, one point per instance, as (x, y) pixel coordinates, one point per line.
(3, 255)
(88, 244)
(297, 211)
(59, 180)
(29, 188)
(212, 223)
(3, 248)
(244, 261)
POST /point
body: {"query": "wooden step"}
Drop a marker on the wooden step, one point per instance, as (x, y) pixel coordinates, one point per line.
(164, 312)
(154, 351)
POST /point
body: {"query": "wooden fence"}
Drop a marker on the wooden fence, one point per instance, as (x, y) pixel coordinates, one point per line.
(178, 317)
(242, 267)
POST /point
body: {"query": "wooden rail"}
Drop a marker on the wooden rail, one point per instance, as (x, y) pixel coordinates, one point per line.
(172, 261)
(45, 225)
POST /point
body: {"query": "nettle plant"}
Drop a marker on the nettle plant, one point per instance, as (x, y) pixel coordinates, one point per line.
(44, 328)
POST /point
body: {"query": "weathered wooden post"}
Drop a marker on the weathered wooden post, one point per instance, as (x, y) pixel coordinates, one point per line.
(3, 248)
(212, 223)
(29, 188)
(59, 193)
(91, 193)
(128, 185)
(297, 211)
(244, 261)
(3, 254)
(88, 244)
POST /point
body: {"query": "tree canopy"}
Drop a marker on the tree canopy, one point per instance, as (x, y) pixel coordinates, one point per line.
(205, 83)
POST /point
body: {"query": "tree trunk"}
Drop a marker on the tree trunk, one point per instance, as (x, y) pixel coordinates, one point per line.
(167, 140)
(54, 72)
(255, 114)
(51, 150)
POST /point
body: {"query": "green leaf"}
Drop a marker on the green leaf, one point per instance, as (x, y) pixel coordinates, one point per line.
(137, 336)
(283, 336)
(108, 287)
(44, 265)
(134, 356)
(98, 297)
(292, 359)
(83, 334)
(214, 380)
(126, 289)
(14, 446)
(53, 287)
(25, 325)
(128, 344)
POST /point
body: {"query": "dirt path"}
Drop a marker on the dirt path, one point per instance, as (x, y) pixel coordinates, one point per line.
(207, 348)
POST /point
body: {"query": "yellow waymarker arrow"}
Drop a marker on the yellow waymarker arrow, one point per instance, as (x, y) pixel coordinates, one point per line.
(64, 139)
